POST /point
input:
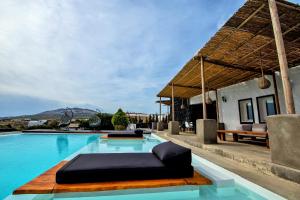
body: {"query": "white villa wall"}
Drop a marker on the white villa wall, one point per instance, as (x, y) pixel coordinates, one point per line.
(294, 75)
(229, 113)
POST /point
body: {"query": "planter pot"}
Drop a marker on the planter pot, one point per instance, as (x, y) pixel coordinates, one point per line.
(206, 130)
(160, 126)
(173, 128)
(284, 136)
(154, 125)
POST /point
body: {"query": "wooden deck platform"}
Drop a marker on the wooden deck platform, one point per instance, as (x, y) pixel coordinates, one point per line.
(45, 184)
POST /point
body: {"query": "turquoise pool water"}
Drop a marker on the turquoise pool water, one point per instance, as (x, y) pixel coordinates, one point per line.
(29, 155)
(23, 157)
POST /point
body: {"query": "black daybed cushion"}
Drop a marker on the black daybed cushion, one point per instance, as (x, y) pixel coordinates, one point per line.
(124, 135)
(138, 132)
(86, 168)
(172, 154)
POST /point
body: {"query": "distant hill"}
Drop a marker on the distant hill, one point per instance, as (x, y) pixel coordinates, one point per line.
(57, 113)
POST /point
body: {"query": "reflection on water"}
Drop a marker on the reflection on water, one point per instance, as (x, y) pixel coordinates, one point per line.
(62, 143)
(99, 145)
(93, 144)
(135, 145)
(91, 139)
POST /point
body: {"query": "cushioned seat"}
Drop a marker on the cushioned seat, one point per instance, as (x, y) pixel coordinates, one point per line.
(259, 127)
(125, 166)
(124, 135)
(136, 133)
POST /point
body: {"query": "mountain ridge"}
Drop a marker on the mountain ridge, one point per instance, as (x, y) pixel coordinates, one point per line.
(57, 114)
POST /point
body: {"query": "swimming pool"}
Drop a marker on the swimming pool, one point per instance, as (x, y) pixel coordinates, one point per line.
(25, 156)
(63, 147)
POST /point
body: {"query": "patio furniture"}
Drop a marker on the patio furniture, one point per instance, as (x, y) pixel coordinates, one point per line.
(167, 160)
(189, 126)
(136, 134)
(246, 130)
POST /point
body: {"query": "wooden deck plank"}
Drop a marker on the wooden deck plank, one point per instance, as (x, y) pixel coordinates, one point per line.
(45, 184)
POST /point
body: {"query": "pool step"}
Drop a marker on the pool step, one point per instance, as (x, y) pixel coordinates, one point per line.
(218, 178)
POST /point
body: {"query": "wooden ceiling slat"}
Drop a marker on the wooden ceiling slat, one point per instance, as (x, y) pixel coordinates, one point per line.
(240, 26)
(271, 41)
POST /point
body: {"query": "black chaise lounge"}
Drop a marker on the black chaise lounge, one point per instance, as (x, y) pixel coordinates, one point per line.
(136, 134)
(167, 160)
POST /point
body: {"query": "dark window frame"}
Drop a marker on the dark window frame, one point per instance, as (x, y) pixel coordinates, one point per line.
(258, 108)
(243, 122)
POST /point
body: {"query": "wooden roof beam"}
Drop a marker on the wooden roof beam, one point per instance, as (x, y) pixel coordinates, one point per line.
(233, 81)
(219, 82)
(195, 77)
(187, 73)
(186, 86)
(227, 65)
(285, 4)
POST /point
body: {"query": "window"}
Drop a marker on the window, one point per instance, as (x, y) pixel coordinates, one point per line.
(246, 111)
(265, 107)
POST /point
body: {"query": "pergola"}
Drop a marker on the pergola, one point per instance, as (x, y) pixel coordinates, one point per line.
(164, 102)
(263, 35)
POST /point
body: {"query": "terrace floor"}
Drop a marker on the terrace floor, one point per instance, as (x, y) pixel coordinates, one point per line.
(251, 161)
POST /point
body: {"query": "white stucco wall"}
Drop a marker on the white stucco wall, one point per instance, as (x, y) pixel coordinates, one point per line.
(198, 99)
(229, 113)
(294, 75)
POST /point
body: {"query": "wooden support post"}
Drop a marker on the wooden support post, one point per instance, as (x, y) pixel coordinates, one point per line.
(173, 110)
(203, 88)
(276, 94)
(159, 109)
(170, 110)
(217, 108)
(287, 89)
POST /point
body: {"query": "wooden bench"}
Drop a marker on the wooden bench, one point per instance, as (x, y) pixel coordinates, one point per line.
(236, 133)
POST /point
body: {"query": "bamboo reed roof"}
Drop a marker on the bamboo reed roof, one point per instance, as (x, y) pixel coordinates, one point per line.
(234, 53)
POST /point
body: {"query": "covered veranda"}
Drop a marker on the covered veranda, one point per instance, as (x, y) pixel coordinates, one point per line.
(261, 38)
(243, 49)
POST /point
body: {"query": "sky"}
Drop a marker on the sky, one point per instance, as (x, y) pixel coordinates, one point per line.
(99, 54)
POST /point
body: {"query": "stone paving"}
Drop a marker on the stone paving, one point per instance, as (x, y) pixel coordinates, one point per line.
(254, 155)
(251, 161)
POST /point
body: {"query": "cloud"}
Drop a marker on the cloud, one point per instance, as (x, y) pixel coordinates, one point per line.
(110, 54)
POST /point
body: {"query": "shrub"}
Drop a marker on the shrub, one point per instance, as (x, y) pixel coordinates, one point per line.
(84, 124)
(106, 121)
(53, 124)
(120, 120)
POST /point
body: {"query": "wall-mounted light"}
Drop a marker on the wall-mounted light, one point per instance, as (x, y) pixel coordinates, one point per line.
(292, 83)
(224, 99)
